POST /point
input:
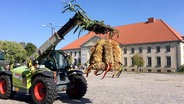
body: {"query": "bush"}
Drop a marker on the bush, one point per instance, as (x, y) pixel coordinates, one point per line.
(181, 68)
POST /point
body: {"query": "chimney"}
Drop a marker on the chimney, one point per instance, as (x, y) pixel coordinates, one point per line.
(151, 20)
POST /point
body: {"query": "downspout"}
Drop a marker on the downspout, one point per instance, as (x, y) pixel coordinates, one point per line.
(178, 53)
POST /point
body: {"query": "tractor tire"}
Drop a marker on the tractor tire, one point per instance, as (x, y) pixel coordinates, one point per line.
(6, 87)
(43, 90)
(79, 87)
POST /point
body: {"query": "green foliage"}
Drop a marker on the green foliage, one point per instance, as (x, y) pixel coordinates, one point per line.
(86, 24)
(181, 68)
(13, 51)
(70, 59)
(30, 49)
(138, 61)
(85, 64)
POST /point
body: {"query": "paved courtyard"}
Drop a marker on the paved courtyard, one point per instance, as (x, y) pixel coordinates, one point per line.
(130, 88)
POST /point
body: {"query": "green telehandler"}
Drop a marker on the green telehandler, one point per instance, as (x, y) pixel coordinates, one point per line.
(44, 75)
(47, 72)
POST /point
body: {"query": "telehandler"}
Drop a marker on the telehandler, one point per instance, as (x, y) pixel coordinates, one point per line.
(45, 74)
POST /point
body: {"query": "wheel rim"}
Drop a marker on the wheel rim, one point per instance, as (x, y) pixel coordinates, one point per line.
(3, 86)
(75, 89)
(40, 91)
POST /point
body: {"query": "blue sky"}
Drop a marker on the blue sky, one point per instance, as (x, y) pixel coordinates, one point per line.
(22, 20)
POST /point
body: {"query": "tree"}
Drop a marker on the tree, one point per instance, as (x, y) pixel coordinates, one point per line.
(23, 44)
(70, 59)
(30, 48)
(13, 51)
(138, 61)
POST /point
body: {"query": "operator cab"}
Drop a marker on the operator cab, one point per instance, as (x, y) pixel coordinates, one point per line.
(55, 60)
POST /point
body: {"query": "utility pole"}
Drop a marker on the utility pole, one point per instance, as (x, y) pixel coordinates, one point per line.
(52, 28)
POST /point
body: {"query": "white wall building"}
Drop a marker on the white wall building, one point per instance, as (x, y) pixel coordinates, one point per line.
(161, 47)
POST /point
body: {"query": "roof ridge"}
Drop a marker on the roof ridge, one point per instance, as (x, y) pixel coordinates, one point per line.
(81, 39)
(129, 24)
(172, 30)
(128, 34)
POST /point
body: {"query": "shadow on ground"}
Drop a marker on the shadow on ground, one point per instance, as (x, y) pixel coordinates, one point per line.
(63, 97)
(23, 98)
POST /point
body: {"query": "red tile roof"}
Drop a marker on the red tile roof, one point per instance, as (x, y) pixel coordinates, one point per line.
(78, 42)
(138, 33)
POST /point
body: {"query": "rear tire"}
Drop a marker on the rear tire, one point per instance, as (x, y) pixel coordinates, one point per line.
(6, 87)
(79, 87)
(43, 90)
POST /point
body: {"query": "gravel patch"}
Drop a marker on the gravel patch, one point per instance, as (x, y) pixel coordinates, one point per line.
(130, 88)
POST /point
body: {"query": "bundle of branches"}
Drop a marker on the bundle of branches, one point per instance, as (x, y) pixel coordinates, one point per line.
(104, 52)
(117, 66)
(87, 24)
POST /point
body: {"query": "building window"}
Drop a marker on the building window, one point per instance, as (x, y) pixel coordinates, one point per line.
(168, 48)
(168, 60)
(79, 60)
(75, 53)
(149, 49)
(132, 61)
(70, 53)
(158, 61)
(75, 61)
(79, 53)
(125, 50)
(125, 61)
(132, 50)
(158, 49)
(149, 63)
(140, 49)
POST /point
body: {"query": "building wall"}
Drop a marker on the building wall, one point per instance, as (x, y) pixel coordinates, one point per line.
(176, 54)
(180, 54)
(163, 54)
(82, 55)
(85, 55)
(85, 49)
(76, 56)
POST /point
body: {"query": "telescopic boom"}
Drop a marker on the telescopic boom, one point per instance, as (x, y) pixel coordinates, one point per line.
(58, 36)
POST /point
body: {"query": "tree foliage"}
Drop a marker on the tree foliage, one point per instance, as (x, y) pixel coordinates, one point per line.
(181, 68)
(15, 51)
(70, 59)
(30, 48)
(138, 61)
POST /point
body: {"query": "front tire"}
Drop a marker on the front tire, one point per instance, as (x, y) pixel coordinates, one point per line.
(6, 87)
(43, 90)
(79, 87)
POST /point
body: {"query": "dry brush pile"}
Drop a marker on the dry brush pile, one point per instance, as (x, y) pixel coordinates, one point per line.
(105, 56)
